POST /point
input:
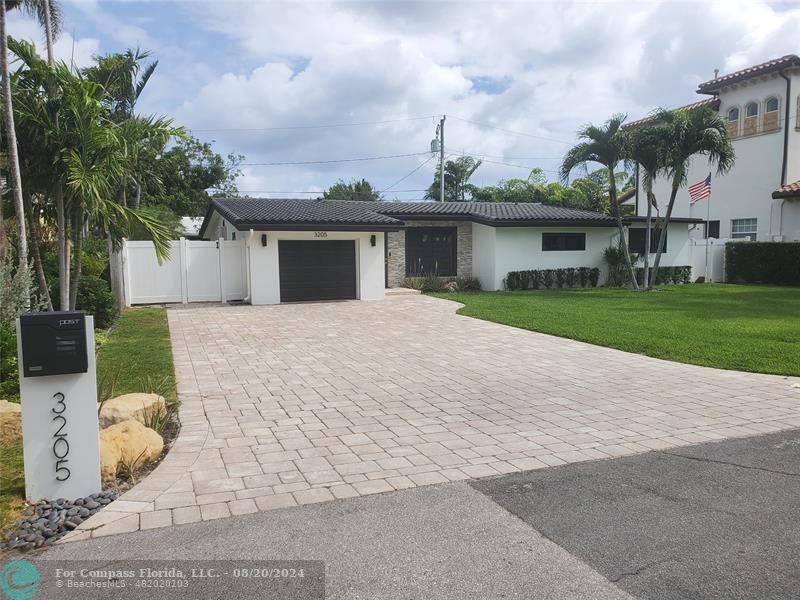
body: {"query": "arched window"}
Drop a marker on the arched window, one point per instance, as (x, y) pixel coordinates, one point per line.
(751, 110)
(771, 104)
(733, 114)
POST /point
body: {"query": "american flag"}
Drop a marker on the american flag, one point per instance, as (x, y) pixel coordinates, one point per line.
(701, 189)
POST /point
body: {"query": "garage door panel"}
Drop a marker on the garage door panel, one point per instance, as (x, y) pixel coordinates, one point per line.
(318, 270)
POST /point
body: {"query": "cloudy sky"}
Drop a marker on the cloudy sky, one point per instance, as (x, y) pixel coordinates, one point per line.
(290, 82)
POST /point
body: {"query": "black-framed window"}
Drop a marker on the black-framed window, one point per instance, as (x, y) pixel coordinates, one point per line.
(431, 251)
(636, 240)
(712, 229)
(554, 242)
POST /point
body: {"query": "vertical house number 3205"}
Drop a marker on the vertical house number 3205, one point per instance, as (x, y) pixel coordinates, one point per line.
(60, 442)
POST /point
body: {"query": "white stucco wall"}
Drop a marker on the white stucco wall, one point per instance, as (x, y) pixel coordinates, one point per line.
(483, 255)
(745, 192)
(679, 248)
(264, 263)
(497, 251)
(520, 248)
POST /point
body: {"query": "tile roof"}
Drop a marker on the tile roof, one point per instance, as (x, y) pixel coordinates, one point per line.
(713, 86)
(712, 103)
(296, 214)
(790, 190)
(260, 211)
(491, 212)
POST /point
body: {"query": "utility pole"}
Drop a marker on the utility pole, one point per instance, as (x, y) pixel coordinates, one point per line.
(441, 158)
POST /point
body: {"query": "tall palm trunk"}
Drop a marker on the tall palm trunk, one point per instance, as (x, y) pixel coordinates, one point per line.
(11, 136)
(63, 256)
(77, 229)
(48, 31)
(663, 233)
(37, 255)
(612, 195)
(646, 282)
(63, 250)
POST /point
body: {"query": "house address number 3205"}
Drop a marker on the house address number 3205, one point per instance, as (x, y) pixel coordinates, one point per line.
(60, 442)
(320, 234)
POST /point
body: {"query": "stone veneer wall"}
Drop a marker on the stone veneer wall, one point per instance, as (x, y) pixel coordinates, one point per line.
(397, 249)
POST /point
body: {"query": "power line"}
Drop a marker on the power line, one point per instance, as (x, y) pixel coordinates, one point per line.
(311, 192)
(320, 126)
(530, 135)
(338, 160)
(418, 167)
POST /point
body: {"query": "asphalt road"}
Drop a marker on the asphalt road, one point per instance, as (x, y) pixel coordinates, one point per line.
(713, 521)
(718, 520)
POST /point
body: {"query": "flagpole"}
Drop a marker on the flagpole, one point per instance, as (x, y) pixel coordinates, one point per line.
(708, 230)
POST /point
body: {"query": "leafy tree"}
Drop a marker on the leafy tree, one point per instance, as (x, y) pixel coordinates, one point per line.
(604, 145)
(685, 134)
(182, 176)
(123, 76)
(646, 146)
(78, 155)
(49, 17)
(352, 190)
(456, 179)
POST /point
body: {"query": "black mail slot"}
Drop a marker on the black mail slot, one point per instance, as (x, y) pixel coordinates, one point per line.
(53, 343)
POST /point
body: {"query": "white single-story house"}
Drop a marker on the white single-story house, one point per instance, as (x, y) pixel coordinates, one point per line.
(301, 250)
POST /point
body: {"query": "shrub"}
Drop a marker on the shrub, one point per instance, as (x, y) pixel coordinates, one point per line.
(776, 263)
(95, 297)
(594, 276)
(583, 276)
(427, 283)
(559, 278)
(467, 284)
(614, 256)
(666, 275)
(9, 371)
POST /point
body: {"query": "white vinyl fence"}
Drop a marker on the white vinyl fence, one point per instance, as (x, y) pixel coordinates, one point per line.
(716, 259)
(197, 271)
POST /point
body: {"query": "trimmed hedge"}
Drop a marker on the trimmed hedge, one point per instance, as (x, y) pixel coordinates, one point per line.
(553, 278)
(667, 275)
(777, 263)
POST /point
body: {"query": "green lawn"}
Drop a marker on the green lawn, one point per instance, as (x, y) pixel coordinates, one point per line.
(12, 482)
(747, 328)
(137, 356)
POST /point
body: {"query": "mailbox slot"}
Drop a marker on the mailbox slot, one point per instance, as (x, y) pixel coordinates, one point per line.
(53, 343)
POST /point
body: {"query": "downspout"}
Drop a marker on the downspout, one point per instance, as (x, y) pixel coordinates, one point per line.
(787, 106)
(248, 299)
(785, 162)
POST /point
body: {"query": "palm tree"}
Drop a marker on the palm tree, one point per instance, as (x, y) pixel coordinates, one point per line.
(123, 76)
(85, 154)
(687, 133)
(646, 147)
(456, 178)
(605, 145)
(49, 16)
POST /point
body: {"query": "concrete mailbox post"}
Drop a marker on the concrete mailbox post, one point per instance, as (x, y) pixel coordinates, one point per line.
(58, 389)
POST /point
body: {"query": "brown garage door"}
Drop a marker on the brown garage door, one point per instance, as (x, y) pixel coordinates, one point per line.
(324, 270)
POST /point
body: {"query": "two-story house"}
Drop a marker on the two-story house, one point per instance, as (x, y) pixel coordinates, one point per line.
(759, 198)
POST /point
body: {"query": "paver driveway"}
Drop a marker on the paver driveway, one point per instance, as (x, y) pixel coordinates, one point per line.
(309, 402)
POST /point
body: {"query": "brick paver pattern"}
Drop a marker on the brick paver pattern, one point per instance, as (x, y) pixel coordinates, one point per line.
(293, 404)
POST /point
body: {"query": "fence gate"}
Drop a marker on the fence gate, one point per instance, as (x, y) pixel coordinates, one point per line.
(196, 271)
(716, 259)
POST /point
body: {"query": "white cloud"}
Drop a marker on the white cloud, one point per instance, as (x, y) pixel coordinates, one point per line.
(66, 48)
(538, 68)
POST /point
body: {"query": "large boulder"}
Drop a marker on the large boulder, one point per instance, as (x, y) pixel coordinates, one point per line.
(127, 444)
(138, 407)
(10, 422)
